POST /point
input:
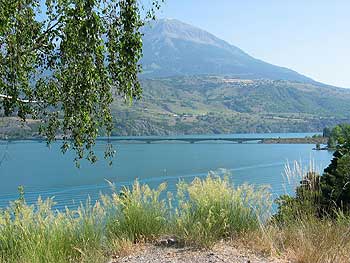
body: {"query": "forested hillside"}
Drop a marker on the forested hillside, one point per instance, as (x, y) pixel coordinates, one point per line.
(186, 105)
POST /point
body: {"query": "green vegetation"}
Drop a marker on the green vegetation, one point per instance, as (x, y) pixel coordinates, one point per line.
(212, 209)
(140, 214)
(312, 225)
(337, 135)
(63, 66)
(325, 195)
(202, 213)
(93, 233)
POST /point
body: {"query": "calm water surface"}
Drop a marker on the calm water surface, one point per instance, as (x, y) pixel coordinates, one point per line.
(46, 172)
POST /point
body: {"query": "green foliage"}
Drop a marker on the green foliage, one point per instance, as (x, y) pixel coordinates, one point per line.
(305, 203)
(332, 143)
(327, 132)
(212, 209)
(335, 182)
(339, 135)
(208, 104)
(64, 67)
(323, 195)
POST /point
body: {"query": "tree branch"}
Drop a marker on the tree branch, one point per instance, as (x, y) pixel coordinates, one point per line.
(2, 96)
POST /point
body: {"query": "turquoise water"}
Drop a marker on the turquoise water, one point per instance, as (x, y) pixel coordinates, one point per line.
(47, 172)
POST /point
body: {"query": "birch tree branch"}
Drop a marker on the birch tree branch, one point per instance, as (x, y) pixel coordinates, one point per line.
(2, 96)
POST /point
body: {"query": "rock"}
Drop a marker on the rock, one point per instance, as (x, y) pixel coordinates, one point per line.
(168, 241)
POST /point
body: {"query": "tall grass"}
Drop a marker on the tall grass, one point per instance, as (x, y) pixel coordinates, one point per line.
(39, 234)
(297, 172)
(202, 213)
(212, 209)
(207, 210)
(140, 213)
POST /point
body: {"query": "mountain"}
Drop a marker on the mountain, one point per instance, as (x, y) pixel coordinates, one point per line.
(195, 83)
(173, 48)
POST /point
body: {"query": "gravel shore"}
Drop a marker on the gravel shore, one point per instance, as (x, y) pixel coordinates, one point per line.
(220, 253)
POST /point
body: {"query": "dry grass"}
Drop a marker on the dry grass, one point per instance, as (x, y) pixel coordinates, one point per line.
(306, 241)
(303, 237)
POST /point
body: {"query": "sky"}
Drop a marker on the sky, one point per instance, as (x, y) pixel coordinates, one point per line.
(309, 36)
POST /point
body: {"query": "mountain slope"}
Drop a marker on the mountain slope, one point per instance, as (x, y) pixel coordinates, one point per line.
(215, 104)
(173, 48)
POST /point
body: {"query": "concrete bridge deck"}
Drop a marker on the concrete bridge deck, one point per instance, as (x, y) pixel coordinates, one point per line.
(189, 140)
(154, 139)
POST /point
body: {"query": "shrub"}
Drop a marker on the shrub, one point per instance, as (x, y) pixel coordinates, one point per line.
(305, 203)
(317, 195)
(335, 182)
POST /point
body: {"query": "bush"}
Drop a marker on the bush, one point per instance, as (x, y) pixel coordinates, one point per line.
(335, 183)
(305, 203)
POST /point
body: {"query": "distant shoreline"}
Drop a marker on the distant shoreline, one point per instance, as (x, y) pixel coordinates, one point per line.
(317, 140)
(157, 139)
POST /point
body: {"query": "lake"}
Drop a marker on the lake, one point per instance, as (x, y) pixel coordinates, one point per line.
(47, 172)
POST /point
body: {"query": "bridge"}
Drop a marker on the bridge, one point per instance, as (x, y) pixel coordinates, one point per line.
(179, 139)
(153, 139)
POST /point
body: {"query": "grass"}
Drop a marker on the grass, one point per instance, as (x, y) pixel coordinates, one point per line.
(306, 240)
(208, 210)
(140, 214)
(212, 209)
(39, 234)
(202, 213)
(302, 236)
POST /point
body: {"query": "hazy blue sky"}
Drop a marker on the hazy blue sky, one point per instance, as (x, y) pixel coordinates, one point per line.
(309, 36)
